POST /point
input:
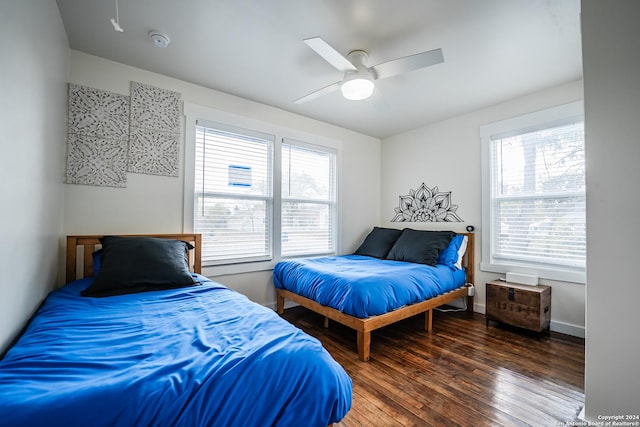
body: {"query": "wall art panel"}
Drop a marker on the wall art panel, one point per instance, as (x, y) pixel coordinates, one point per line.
(98, 134)
(152, 152)
(96, 161)
(155, 130)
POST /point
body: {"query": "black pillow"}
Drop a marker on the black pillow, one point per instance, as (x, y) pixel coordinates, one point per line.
(378, 242)
(420, 246)
(136, 264)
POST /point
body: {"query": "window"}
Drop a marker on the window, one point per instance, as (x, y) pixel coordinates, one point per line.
(257, 192)
(308, 199)
(233, 201)
(534, 194)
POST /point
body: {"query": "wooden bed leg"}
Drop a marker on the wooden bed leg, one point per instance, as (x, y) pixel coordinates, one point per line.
(470, 305)
(326, 322)
(428, 320)
(364, 345)
(279, 304)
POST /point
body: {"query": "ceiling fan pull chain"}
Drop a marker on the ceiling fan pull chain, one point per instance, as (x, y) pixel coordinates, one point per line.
(116, 22)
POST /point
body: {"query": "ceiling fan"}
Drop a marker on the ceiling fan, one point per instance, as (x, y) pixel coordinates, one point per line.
(357, 83)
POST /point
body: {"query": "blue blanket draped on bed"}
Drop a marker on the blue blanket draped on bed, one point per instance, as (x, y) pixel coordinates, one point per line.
(202, 355)
(363, 286)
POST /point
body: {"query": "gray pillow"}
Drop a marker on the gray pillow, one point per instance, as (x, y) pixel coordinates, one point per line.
(138, 264)
(378, 242)
(420, 246)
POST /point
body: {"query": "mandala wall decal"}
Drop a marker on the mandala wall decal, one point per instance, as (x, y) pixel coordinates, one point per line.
(155, 130)
(98, 134)
(426, 205)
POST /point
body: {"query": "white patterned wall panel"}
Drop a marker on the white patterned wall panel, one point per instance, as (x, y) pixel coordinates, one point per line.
(98, 133)
(152, 152)
(94, 112)
(155, 130)
(96, 161)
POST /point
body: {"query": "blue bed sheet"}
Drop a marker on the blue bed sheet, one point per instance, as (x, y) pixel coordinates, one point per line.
(203, 355)
(363, 286)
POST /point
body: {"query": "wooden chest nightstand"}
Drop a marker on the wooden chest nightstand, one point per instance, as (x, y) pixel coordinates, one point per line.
(519, 305)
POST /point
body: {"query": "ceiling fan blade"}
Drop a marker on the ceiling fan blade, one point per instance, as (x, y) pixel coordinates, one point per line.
(329, 54)
(318, 93)
(407, 63)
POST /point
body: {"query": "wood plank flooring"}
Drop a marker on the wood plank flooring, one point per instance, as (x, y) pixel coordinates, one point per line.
(463, 373)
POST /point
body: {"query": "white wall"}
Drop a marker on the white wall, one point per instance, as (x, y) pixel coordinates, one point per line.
(32, 131)
(154, 204)
(611, 61)
(446, 154)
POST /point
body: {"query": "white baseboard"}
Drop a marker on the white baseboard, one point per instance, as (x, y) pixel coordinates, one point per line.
(568, 329)
(287, 304)
(458, 303)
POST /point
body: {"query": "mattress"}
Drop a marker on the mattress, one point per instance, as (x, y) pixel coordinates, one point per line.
(363, 286)
(202, 355)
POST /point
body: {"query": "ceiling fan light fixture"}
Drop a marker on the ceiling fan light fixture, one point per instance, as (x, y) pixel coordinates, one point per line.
(357, 87)
(357, 83)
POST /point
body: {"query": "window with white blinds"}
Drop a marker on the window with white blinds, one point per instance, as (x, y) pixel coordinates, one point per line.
(233, 198)
(260, 197)
(308, 214)
(535, 201)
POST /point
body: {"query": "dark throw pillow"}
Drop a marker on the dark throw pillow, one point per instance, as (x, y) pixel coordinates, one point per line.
(420, 246)
(378, 242)
(137, 264)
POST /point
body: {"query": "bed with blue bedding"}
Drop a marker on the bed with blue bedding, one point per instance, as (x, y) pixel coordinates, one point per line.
(184, 354)
(394, 274)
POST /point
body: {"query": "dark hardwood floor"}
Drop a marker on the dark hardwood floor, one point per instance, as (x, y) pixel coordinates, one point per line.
(463, 373)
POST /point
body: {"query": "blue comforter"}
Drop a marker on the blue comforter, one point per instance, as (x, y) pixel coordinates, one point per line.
(363, 286)
(202, 355)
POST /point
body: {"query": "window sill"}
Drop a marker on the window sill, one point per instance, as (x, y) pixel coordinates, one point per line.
(239, 268)
(542, 273)
(249, 266)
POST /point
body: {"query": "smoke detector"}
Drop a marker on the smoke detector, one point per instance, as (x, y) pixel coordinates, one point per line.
(159, 39)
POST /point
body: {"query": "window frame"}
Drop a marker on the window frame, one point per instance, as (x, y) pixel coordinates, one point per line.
(538, 120)
(194, 112)
(267, 198)
(332, 203)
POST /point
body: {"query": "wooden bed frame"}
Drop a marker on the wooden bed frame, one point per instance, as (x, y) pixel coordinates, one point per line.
(80, 252)
(364, 327)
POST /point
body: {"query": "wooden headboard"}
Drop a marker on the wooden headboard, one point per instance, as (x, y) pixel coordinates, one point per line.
(80, 252)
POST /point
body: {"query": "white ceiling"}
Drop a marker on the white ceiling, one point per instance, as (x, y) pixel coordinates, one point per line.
(494, 50)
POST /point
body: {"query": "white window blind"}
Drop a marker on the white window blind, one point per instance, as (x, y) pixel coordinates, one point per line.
(233, 201)
(537, 196)
(308, 199)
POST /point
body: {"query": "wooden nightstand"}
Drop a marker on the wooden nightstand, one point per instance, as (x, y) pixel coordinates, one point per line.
(519, 305)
